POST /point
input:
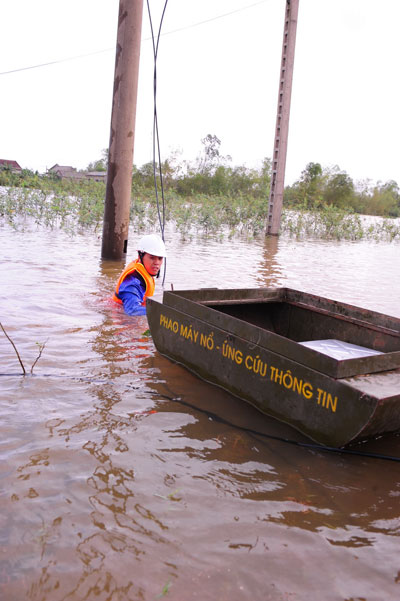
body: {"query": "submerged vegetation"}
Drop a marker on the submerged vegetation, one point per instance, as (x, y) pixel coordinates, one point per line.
(210, 197)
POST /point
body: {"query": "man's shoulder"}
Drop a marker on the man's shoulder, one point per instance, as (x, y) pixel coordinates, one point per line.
(133, 279)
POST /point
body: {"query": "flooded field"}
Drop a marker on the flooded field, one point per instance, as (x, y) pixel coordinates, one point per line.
(123, 477)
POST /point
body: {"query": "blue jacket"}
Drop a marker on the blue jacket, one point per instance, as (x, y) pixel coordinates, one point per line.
(131, 292)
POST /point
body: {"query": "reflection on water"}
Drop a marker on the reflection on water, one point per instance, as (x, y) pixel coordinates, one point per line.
(125, 477)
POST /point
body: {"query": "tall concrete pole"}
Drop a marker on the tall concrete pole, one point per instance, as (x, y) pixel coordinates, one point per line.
(282, 118)
(122, 131)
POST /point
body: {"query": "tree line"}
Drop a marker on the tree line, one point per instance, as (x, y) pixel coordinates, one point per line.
(320, 187)
(212, 174)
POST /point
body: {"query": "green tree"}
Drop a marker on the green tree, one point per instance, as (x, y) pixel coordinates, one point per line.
(381, 199)
(100, 164)
(307, 191)
(211, 152)
(339, 190)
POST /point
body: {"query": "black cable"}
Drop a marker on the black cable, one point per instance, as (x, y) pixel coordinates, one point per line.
(156, 137)
(155, 113)
(307, 445)
(155, 121)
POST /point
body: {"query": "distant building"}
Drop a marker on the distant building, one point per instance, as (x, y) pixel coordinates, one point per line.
(98, 176)
(68, 172)
(64, 172)
(12, 165)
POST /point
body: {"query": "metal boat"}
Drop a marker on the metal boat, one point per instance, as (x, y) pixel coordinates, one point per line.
(329, 369)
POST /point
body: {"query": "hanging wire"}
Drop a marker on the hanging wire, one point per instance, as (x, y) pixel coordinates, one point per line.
(156, 137)
(112, 49)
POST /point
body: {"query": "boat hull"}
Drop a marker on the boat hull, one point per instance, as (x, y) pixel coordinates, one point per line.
(329, 410)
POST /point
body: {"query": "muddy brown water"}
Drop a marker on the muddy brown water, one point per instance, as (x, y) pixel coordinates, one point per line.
(124, 477)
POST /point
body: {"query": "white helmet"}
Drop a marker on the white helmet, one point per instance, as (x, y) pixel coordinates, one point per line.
(152, 244)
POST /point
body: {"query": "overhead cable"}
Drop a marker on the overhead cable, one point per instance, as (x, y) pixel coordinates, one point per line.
(79, 56)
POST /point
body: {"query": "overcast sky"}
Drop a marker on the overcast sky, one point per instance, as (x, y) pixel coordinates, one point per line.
(218, 68)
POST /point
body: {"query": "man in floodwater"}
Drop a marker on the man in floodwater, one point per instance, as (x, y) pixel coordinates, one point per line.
(136, 282)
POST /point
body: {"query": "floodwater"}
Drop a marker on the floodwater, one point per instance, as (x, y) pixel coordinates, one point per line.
(124, 477)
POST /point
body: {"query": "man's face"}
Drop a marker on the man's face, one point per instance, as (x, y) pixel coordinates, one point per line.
(152, 263)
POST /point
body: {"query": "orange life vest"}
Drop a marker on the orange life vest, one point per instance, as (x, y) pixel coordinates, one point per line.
(139, 268)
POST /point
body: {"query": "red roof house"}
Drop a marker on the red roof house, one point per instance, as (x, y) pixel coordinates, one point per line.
(12, 165)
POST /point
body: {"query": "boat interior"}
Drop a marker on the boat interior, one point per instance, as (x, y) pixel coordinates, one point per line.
(336, 338)
(302, 323)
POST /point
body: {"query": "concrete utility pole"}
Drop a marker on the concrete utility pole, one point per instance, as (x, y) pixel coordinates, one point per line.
(282, 118)
(122, 131)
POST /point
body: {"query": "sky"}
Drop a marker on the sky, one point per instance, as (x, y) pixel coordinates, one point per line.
(217, 73)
